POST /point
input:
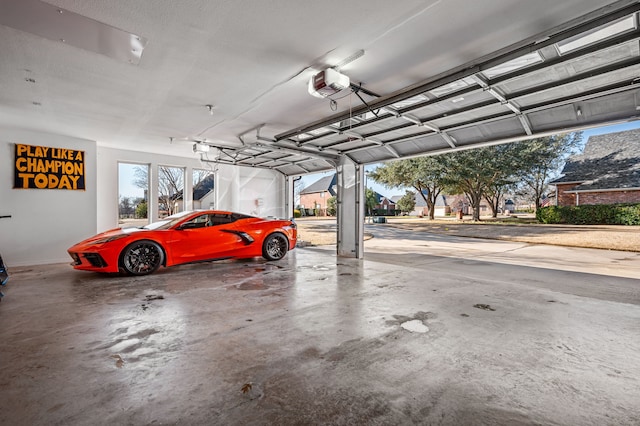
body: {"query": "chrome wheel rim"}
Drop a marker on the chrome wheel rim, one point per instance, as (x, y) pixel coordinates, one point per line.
(276, 247)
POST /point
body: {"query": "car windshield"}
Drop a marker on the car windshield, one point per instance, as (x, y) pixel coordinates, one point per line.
(167, 222)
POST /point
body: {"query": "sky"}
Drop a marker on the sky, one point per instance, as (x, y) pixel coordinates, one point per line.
(126, 174)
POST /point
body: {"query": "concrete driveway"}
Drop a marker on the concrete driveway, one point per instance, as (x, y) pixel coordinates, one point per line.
(434, 250)
(427, 330)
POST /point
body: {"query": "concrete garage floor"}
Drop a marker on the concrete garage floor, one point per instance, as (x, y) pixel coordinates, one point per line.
(315, 339)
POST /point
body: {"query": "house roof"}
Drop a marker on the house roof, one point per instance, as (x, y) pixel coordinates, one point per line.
(203, 187)
(379, 197)
(610, 161)
(200, 190)
(326, 183)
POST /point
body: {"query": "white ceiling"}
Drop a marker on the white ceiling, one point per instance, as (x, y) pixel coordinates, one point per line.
(250, 59)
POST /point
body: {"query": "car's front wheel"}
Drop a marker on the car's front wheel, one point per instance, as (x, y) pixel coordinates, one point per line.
(142, 257)
(275, 247)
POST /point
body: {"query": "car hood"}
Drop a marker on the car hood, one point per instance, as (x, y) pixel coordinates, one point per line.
(117, 231)
(111, 233)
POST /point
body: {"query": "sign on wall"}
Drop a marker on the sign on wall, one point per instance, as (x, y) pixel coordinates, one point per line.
(48, 168)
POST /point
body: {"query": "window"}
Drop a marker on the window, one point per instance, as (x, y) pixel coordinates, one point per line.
(220, 219)
(513, 65)
(133, 190)
(203, 189)
(452, 87)
(197, 222)
(596, 35)
(170, 190)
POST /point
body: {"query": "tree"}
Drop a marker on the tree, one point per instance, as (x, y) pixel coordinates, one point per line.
(544, 157)
(424, 174)
(508, 163)
(370, 200)
(495, 194)
(141, 177)
(331, 206)
(298, 187)
(170, 185)
(199, 175)
(407, 203)
(126, 208)
(466, 175)
(481, 173)
(141, 210)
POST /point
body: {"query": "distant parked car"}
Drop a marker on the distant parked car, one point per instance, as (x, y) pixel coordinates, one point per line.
(186, 237)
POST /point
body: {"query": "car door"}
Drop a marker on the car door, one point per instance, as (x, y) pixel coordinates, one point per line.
(204, 237)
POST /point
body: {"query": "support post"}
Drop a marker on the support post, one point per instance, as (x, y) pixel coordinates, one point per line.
(153, 208)
(289, 197)
(350, 207)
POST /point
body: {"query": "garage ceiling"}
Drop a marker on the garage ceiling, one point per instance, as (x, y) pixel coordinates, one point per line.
(427, 76)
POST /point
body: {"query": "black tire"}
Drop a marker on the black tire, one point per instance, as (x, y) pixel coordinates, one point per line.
(275, 246)
(142, 257)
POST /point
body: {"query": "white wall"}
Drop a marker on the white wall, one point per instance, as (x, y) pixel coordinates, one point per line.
(44, 222)
(262, 193)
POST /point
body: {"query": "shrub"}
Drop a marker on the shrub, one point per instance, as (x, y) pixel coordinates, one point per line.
(141, 210)
(296, 213)
(597, 214)
(628, 214)
(550, 214)
(331, 206)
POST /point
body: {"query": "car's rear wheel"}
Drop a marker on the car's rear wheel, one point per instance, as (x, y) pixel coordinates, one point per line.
(142, 257)
(275, 246)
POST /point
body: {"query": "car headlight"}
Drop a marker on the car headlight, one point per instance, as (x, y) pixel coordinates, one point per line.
(108, 239)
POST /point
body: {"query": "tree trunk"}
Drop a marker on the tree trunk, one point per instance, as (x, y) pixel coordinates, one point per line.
(475, 200)
(430, 206)
(431, 203)
(493, 203)
(427, 201)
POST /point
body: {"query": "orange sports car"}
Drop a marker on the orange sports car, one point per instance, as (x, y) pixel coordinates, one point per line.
(186, 237)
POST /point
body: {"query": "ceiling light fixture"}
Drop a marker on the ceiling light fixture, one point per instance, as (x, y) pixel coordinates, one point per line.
(210, 108)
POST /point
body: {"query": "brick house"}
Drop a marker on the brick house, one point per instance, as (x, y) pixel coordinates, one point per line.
(313, 199)
(606, 172)
(385, 205)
